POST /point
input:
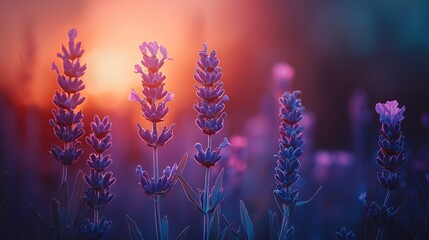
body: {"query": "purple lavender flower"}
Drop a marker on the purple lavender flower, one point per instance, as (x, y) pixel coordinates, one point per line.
(390, 157)
(210, 108)
(98, 194)
(290, 142)
(211, 104)
(160, 186)
(209, 158)
(286, 172)
(154, 109)
(390, 113)
(153, 106)
(67, 124)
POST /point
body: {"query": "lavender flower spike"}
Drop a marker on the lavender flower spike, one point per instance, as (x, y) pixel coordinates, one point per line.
(390, 157)
(210, 108)
(67, 123)
(154, 108)
(286, 172)
(98, 194)
(154, 104)
(211, 104)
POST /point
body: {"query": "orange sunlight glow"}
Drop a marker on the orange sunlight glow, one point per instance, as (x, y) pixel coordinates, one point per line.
(110, 72)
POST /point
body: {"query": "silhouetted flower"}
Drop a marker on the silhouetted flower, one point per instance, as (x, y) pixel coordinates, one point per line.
(67, 156)
(209, 158)
(381, 215)
(286, 195)
(389, 180)
(160, 186)
(99, 181)
(96, 230)
(99, 162)
(344, 235)
(97, 199)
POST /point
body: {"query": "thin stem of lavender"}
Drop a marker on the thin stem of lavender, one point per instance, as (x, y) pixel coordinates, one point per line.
(206, 204)
(96, 212)
(155, 163)
(64, 176)
(157, 213)
(156, 209)
(209, 141)
(285, 222)
(206, 195)
(386, 200)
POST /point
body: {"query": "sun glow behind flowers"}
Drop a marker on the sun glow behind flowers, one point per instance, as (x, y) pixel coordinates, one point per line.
(110, 73)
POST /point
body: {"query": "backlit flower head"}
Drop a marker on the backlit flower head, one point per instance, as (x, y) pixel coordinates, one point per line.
(211, 103)
(67, 124)
(153, 104)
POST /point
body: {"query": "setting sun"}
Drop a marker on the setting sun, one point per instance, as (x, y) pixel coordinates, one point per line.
(111, 72)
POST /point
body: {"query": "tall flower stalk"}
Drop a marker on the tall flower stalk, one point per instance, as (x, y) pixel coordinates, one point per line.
(98, 194)
(66, 212)
(210, 108)
(154, 109)
(67, 123)
(286, 172)
(390, 157)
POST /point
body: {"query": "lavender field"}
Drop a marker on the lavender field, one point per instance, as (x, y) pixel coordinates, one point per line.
(214, 120)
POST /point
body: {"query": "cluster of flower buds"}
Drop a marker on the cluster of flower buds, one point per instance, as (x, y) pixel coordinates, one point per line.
(98, 194)
(390, 156)
(67, 123)
(210, 105)
(290, 142)
(153, 105)
(160, 187)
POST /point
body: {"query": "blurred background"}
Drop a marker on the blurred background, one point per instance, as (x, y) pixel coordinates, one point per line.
(345, 56)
